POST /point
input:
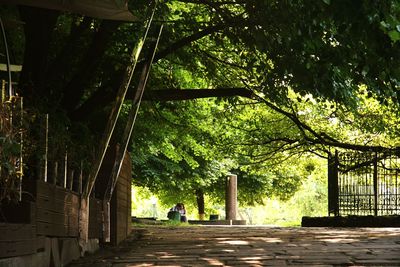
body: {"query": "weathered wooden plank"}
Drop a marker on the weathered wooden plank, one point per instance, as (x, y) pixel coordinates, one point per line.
(44, 189)
(17, 248)
(44, 228)
(44, 215)
(60, 218)
(122, 198)
(61, 194)
(52, 217)
(59, 205)
(44, 202)
(14, 231)
(95, 218)
(52, 229)
(121, 217)
(123, 193)
(125, 175)
(123, 188)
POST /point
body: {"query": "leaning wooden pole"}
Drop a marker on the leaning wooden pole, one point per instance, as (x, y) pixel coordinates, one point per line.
(131, 122)
(46, 147)
(112, 120)
(120, 153)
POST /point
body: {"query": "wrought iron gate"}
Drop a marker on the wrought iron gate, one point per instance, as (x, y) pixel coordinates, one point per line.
(366, 183)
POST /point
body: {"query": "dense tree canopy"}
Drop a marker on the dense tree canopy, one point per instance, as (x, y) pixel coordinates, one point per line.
(326, 48)
(313, 75)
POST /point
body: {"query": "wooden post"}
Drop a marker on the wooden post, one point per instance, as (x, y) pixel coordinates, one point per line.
(333, 187)
(65, 169)
(107, 221)
(46, 148)
(55, 174)
(71, 179)
(84, 220)
(231, 197)
(80, 179)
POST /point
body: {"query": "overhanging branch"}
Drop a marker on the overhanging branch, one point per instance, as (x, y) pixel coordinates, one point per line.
(321, 138)
(187, 94)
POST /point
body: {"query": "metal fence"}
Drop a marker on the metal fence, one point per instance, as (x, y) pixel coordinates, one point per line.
(365, 183)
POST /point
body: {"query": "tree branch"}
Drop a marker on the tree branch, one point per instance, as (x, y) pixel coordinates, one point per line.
(187, 94)
(102, 97)
(188, 40)
(323, 138)
(209, 3)
(212, 57)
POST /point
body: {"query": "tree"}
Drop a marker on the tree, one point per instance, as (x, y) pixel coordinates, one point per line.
(181, 158)
(72, 67)
(325, 48)
(175, 152)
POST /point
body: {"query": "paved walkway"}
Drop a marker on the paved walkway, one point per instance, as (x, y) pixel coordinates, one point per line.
(252, 246)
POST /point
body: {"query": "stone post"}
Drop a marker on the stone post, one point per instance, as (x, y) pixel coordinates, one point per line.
(231, 197)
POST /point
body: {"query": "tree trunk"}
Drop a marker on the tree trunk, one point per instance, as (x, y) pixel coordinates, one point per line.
(200, 203)
(38, 28)
(75, 89)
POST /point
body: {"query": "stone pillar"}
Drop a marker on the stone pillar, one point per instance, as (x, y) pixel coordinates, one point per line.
(231, 197)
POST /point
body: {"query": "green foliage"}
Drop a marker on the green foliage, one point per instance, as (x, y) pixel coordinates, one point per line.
(391, 22)
(10, 149)
(321, 70)
(309, 200)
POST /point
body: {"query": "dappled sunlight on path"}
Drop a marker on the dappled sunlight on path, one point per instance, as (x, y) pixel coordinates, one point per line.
(252, 246)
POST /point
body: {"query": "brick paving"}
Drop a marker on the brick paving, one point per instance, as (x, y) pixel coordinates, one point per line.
(251, 246)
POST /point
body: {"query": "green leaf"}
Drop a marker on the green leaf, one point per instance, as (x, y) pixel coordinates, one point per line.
(394, 35)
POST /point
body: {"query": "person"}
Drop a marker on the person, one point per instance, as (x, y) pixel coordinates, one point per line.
(179, 207)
